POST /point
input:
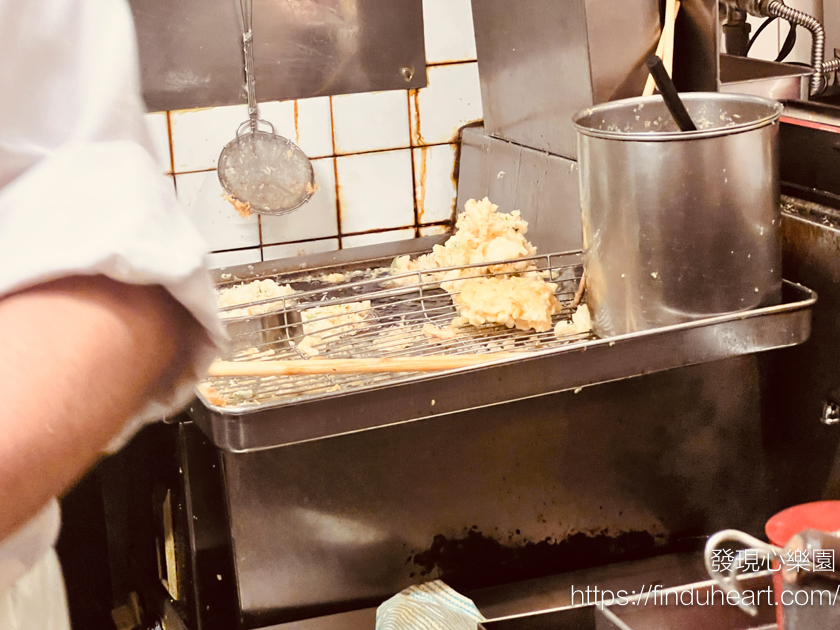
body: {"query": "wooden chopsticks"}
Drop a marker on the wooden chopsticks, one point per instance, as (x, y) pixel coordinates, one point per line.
(432, 363)
(665, 48)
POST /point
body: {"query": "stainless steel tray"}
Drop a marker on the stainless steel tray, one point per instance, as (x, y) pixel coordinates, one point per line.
(311, 410)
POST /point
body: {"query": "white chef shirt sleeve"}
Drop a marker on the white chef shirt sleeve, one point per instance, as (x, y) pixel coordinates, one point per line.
(80, 190)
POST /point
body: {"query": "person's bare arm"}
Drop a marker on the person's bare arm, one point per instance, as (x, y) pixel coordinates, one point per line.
(78, 357)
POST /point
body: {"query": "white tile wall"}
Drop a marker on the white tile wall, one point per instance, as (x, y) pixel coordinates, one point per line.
(200, 195)
(373, 186)
(374, 238)
(434, 189)
(451, 99)
(305, 122)
(375, 190)
(289, 250)
(317, 219)
(199, 135)
(370, 122)
(449, 31)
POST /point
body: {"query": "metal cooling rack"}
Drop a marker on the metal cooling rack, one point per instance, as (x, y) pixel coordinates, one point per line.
(400, 306)
(278, 411)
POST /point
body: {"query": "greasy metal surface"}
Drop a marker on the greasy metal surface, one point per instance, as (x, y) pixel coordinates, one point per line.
(191, 51)
(213, 578)
(544, 60)
(813, 112)
(341, 521)
(574, 365)
(814, 212)
(679, 226)
(543, 594)
(701, 605)
(819, 612)
(809, 141)
(661, 609)
(742, 75)
(554, 592)
(619, 39)
(543, 187)
(806, 451)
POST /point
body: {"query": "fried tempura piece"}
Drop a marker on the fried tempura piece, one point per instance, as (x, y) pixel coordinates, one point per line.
(581, 323)
(482, 235)
(517, 302)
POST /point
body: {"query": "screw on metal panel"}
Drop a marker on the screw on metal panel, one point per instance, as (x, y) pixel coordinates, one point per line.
(407, 73)
(830, 413)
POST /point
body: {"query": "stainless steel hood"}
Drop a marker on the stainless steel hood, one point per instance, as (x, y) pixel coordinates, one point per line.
(191, 50)
(540, 61)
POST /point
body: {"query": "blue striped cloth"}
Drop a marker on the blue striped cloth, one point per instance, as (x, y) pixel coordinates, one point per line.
(430, 606)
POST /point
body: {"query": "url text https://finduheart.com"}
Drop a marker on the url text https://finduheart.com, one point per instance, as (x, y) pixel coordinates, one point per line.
(655, 595)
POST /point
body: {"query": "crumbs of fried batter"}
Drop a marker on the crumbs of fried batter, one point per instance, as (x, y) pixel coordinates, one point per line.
(435, 333)
(243, 208)
(212, 396)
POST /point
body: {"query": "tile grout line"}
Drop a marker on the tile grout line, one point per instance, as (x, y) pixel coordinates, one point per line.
(259, 230)
(337, 185)
(410, 146)
(331, 238)
(234, 249)
(171, 145)
(413, 168)
(450, 63)
(304, 241)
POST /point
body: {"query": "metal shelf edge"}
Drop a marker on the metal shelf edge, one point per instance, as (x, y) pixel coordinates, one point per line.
(575, 366)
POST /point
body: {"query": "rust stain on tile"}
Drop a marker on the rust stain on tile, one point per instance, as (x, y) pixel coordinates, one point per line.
(422, 173)
(456, 172)
(338, 203)
(332, 127)
(297, 124)
(192, 110)
(416, 135)
(449, 62)
(171, 149)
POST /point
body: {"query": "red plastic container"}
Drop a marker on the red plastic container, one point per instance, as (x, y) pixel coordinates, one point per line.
(820, 515)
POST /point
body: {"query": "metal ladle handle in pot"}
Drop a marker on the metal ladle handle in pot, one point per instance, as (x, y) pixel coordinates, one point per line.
(669, 94)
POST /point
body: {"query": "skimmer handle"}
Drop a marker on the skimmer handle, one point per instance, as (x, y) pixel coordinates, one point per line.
(246, 7)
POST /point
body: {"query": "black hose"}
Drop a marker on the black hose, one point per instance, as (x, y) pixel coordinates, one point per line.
(758, 32)
(789, 43)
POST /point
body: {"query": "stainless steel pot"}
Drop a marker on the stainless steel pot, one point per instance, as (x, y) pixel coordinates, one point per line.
(679, 226)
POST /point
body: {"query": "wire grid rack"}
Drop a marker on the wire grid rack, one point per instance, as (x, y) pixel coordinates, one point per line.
(381, 316)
